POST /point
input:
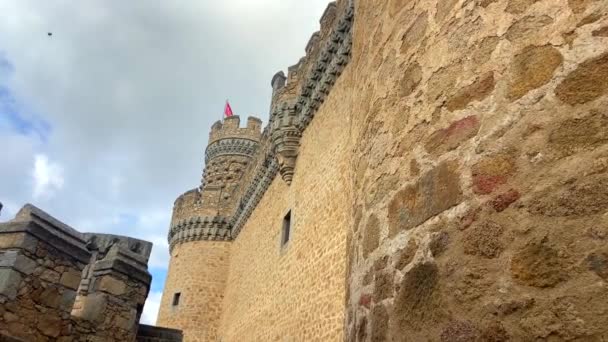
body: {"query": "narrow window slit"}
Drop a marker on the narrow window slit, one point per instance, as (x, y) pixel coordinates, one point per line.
(286, 232)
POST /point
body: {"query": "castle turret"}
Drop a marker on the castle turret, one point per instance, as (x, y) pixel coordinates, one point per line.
(227, 156)
(200, 233)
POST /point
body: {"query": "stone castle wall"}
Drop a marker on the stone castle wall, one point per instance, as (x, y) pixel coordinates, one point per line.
(295, 292)
(40, 271)
(481, 165)
(445, 164)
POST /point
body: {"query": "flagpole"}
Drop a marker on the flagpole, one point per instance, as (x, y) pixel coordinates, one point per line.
(224, 113)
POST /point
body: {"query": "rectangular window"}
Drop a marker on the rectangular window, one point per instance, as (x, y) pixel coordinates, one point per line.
(176, 297)
(286, 229)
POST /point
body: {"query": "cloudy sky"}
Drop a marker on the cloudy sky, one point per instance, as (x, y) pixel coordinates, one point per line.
(104, 123)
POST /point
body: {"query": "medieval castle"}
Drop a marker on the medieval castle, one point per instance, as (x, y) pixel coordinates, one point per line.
(432, 170)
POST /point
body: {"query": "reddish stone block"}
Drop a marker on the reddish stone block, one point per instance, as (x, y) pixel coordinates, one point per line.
(492, 172)
(435, 191)
(451, 137)
(365, 300)
(503, 201)
(485, 184)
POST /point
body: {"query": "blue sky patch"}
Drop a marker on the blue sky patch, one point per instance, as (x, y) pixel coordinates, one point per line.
(6, 68)
(158, 278)
(13, 115)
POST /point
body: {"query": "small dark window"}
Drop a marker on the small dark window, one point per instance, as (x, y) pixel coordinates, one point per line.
(176, 297)
(286, 229)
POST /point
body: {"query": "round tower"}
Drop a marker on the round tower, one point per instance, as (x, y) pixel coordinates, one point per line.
(200, 233)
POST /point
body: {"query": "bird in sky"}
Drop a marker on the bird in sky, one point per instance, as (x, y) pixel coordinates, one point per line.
(50, 34)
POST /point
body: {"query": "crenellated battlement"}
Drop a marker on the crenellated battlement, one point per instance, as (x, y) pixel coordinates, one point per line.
(230, 127)
(328, 17)
(186, 205)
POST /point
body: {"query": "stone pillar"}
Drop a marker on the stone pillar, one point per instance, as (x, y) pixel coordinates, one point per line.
(114, 288)
(41, 261)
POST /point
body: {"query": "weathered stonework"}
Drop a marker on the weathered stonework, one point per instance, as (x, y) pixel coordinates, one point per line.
(444, 166)
(509, 91)
(57, 284)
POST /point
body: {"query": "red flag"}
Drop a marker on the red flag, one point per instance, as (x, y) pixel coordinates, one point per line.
(228, 110)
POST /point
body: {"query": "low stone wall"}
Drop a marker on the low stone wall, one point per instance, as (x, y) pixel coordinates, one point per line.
(41, 262)
(148, 333)
(57, 284)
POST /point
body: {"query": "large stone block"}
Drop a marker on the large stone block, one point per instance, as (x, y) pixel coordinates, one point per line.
(540, 264)
(112, 285)
(50, 325)
(484, 239)
(449, 138)
(578, 134)
(415, 33)
(598, 263)
(527, 26)
(70, 279)
(18, 240)
(477, 91)
(586, 83)
(67, 300)
(371, 235)
(126, 321)
(491, 172)
(586, 196)
(417, 304)
(435, 192)
(532, 68)
(10, 282)
(92, 307)
(14, 259)
(410, 80)
(519, 6)
(50, 297)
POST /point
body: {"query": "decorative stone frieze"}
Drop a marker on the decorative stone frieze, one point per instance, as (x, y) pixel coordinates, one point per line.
(241, 147)
(286, 141)
(326, 69)
(200, 228)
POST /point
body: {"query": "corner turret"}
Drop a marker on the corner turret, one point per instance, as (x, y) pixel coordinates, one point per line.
(201, 213)
(201, 230)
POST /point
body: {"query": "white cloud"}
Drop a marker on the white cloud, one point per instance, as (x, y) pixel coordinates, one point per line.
(48, 177)
(160, 251)
(151, 307)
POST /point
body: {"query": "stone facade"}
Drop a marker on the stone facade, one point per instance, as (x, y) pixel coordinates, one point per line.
(198, 272)
(445, 167)
(57, 284)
